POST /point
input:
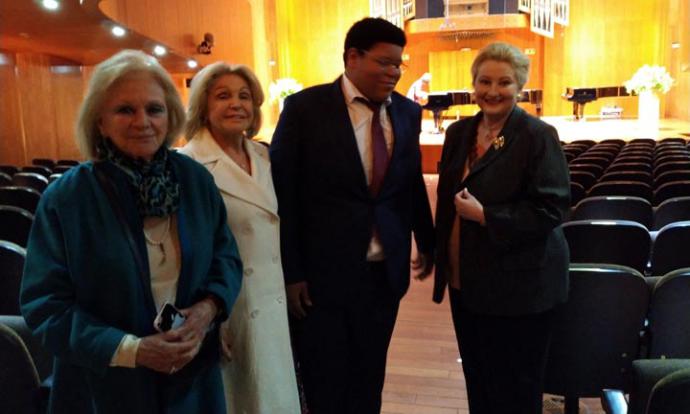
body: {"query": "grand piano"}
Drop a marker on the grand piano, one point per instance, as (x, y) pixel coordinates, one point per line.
(581, 96)
(441, 101)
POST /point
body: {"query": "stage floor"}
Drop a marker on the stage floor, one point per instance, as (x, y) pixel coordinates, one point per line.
(568, 129)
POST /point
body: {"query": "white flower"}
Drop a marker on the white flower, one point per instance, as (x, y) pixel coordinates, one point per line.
(283, 87)
(650, 78)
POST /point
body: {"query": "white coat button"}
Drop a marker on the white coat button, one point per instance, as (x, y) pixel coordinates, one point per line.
(254, 313)
(248, 271)
(280, 299)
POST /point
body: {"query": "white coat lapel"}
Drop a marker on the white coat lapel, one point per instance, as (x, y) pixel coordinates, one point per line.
(230, 178)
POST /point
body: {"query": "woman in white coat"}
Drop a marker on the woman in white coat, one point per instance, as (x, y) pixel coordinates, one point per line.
(224, 113)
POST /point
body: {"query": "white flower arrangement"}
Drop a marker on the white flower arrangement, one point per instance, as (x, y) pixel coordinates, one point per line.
(282, 88)
(649, 78)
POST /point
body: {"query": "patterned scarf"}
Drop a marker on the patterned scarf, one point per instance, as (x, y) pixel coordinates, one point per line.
(158, 191)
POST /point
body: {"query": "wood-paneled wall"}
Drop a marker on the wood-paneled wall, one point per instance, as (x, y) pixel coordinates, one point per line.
(38, 108)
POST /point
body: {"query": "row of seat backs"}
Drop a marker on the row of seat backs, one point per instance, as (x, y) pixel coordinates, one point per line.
(59, 166)
(629, 244)
(631, 208)
(588, 179)
(15, 224)
(22, 197)
(12, 258)
(672, 189)
(598, 332)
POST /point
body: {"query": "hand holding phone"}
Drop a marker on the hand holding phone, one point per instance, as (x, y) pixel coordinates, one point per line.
(168, 318)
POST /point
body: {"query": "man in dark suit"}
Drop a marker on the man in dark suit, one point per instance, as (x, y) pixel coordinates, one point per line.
(347, 171)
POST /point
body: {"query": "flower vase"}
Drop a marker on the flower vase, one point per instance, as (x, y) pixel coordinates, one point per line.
(648, 112)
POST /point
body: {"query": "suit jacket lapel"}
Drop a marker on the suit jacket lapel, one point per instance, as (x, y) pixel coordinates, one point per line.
(508, 132)
(230, 178)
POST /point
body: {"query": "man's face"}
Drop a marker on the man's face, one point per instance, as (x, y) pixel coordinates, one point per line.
(376, 71)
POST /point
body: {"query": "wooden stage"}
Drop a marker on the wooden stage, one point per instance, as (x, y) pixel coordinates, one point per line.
(569, 130)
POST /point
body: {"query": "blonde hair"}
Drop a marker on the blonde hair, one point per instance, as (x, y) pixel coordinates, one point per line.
(105, 75)
(503, 52)
(197, 112)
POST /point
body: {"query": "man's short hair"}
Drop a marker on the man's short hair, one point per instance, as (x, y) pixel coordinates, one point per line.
(369, 31)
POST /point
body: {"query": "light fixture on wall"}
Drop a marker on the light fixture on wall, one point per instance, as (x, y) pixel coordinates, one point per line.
(675, 45)
(192, 64)
(159, 50)
(206, 45)
(51, 4)
(118, 31)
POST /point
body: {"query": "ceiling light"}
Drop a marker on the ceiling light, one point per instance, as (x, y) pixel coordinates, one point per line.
(51, 4)
(191, 64)
(675, 45)
(118, 31)
(159, 50)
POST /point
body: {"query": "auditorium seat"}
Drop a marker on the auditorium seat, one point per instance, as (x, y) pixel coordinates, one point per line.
(46, 162)
(70, 163)
(670, 211)
(38, 169)
(42, 358)
(633, 157)
(5, 179)
(640, 176)
(621, 188)
(646, 374)
(634, 209)
(620, 242)
(673, 157)
(32, 180)
(54, 177)
(9, 169)
(670, 250)
(577, 193)
(60, 169)
(19, 384)
(11, 268)
(669, 316)
(611, 141)
(595, 169)
(670, 190)
(596, 333)
(607, 153)
(630, 166)
(669, 140)
(584, 178)
(674, 175)
(26, 198)
(670, 166)
(587, 159)
(15, 224)
(642, 141)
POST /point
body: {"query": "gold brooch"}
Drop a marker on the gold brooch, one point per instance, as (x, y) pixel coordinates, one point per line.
(498, 142)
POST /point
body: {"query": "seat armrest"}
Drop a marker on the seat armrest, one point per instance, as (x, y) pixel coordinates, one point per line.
(614, 402)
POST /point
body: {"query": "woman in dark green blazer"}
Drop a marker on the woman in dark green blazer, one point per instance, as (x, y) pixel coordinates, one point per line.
(117, 237)
(503, 191)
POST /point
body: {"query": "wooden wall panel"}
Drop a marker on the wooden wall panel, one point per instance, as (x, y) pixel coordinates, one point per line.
(36, 95)
(181, 24)
(678, 60)
(12, 149)
(310, 37)
(68, 88)
(597, 51)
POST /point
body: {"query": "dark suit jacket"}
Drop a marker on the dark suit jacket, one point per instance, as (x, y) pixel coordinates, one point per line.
(327, 213)
(518, 262)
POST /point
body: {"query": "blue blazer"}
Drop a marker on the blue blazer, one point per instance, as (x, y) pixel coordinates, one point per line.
(82, 291)
(518, 263)
(327, 212)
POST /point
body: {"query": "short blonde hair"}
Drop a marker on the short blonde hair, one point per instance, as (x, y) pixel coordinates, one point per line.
(504, 52)
(197, 112)
(105, 75)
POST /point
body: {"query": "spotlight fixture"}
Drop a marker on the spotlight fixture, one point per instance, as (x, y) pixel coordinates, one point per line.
(51, 4)
(159, 50)
(191, 64)
(118, 31)
(675, 45)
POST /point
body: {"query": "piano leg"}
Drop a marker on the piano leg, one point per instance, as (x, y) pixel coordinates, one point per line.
(438, 120)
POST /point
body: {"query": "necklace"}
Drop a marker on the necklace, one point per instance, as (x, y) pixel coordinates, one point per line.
(160, 243)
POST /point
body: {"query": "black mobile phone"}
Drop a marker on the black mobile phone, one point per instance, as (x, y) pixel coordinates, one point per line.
(169, 317)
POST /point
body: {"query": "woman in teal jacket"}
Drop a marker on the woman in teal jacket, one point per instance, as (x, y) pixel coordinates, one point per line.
(117, 237)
